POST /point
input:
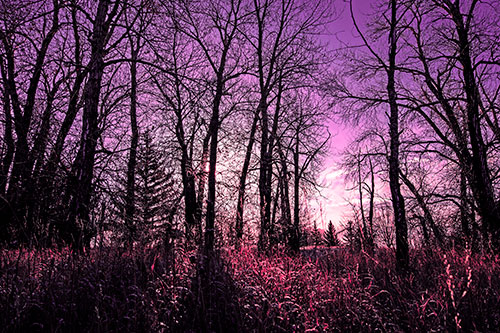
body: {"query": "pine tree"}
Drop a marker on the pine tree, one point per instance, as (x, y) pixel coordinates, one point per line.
(154, 191)
(330, 237)
(154, 196)
(316, 235)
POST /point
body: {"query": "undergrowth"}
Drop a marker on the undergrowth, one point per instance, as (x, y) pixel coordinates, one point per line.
(243, 291)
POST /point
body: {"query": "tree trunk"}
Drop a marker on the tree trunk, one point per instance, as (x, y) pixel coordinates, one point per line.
(295, 239)
(15, 207)
(8, 157)
(275, 237)
(243, 179)
(34, 163)
(20, 174)
(188, 176)
(361, 207)
(8, 138)
(372, 204)
(264, 169)
(266, 164)
(76, 230)
(484, 194)
(214, 131)
(428, 219)
(190, 201)
(70, 115)
(402, 251)
(132, 160)
(286, 211)
(51, 167)
(202, 182)
(464, 207)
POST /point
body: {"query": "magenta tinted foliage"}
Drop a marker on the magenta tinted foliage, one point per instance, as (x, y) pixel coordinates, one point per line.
(249, 165)
(111, 290)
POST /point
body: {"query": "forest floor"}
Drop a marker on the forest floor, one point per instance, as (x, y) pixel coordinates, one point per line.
(242, 291)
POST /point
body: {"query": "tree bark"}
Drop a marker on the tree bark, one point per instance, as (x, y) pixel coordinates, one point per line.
(20, 174)
(202, 182)
(7, 159)
(286, 211)
(464, 207)
(266, 164)
(275, 236)
(8, 138)
(49, 172)
(132, 159)
(481, 179)
(295, 239)
(214, 131)
(242, 183)
(361, 207)
(76, 230)
(15, 209)
(372, 203)
(74, 97)
(264, 169)
(402, 250)
(474, 160)
(427, 219)
(33, 166)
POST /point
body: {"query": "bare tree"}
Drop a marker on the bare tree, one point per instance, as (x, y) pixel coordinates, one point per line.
(455, 121)
(481, 179)
(397, 11)
(135, 43)
(14, 209)
(243, 180)
(75, 230)
(216, 44)
(280, 25)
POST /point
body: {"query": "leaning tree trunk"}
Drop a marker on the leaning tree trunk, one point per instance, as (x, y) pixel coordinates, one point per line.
(50, 170)
(34, 163)
(266, 164)
(243, 179)
(427, 219)
(191, 209)
(20, 174)
(274, 233)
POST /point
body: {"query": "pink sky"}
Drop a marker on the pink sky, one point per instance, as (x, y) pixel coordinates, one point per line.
(334, 204)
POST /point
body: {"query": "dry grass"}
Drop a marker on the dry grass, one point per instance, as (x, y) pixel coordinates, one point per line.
(112, 290)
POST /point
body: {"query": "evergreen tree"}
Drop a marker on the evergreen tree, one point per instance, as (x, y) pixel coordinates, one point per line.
(352, 235)
(154, 191)
(330, 238)
(154, 196)
(316, 235)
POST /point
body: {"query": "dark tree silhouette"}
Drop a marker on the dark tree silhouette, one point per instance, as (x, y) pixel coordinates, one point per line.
(76, 230)
(330, 237)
